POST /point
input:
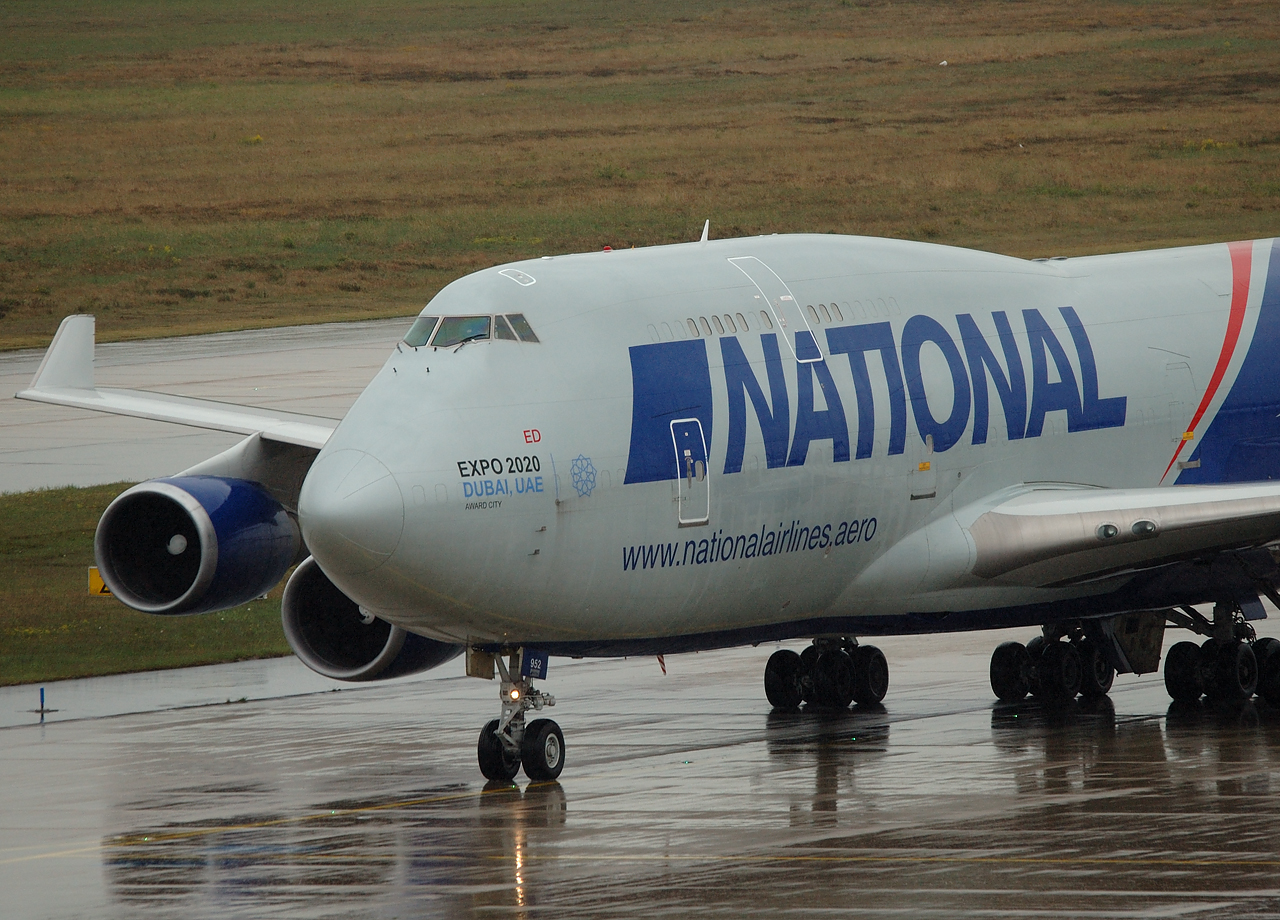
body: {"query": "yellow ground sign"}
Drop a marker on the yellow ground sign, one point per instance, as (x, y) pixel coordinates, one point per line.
(97, 587)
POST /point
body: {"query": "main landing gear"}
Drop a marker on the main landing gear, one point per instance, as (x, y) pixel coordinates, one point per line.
(829, 674)
(506, 744)
(1231, 665)
(1054, 667)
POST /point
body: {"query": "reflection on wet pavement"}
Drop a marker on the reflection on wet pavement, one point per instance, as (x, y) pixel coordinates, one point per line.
(681, 795)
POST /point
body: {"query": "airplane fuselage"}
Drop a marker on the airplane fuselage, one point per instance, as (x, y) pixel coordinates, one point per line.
(720, 442)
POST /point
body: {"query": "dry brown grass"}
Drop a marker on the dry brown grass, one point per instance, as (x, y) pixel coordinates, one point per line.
(240, 164)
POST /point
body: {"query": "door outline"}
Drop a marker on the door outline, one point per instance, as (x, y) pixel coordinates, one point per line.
(784, 307)
(693, 486)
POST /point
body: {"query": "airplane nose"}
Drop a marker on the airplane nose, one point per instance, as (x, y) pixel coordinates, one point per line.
(351, 512)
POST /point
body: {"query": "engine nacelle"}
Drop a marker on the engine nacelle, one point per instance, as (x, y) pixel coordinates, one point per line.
(334, 637)
(193, 544)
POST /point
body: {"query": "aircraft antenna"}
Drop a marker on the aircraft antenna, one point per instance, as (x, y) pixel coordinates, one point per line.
(706, 230)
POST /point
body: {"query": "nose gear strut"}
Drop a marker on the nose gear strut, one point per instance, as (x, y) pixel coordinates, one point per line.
(508, 743)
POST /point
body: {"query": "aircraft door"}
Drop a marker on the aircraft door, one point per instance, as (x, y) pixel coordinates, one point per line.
(693, 487)
(1181, 385)
(924, 478)
(775, 296)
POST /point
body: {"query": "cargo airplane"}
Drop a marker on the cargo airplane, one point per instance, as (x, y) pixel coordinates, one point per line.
(730, 442)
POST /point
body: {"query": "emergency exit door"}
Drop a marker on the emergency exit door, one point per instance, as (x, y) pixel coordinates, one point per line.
(693, 486)
(773, 295)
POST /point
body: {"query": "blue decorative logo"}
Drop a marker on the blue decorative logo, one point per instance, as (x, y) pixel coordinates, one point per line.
(583, 473)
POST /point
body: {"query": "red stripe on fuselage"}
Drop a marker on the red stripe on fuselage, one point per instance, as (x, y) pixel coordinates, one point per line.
(1241, 264)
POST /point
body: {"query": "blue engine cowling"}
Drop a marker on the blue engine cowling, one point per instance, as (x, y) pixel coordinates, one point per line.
(333, 636)
(194, 544)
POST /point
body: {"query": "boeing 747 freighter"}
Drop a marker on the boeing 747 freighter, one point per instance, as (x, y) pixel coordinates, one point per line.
(738, 441)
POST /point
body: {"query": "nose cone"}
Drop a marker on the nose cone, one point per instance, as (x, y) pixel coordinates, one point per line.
(351, 512)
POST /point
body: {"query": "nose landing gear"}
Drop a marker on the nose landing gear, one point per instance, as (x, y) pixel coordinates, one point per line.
(830, 674)
(506, 744)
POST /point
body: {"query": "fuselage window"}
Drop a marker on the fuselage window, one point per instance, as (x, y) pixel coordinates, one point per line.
(719, 325)
(764, 318)
(457, 329)
(501, 330)
(522, 327)
(678, 326)
(420, 332)
(693, 327)
(813, 314)
(826, 314)
(742, 322)
(835, 308)
(706, 326)
(728, 323)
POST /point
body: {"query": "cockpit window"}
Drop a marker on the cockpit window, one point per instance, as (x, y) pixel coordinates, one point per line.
(456, 329)
(522, 327)
(420, 332)
(501, 330)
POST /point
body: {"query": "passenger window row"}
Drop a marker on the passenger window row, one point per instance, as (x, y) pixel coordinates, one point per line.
(733, 323)
(826, 316)
(726, 323)
(443, 332)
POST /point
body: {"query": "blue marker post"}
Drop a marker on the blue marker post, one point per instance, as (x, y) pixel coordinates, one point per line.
(42, 710)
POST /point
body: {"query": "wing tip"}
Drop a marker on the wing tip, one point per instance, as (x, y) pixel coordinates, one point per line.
(68, 363)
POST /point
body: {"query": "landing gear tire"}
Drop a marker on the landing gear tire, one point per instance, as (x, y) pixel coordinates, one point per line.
(496, 762)
(542, 750)
(1010, 672)
(1059, 673)
(1182, 675)
(833, 680)
(1267, 653)
(1234, 671)
(808, 661)
(782, 679)
(1096, 673)
(870, 675)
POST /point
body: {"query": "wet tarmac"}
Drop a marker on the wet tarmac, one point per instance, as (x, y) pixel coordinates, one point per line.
(315, 370)
(683, 795)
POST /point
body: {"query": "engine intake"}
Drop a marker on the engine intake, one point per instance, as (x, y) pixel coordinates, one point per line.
(194, 544)
(334, 637)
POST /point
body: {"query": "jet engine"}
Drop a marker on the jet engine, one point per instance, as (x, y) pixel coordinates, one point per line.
(333, 636)
(194, 544)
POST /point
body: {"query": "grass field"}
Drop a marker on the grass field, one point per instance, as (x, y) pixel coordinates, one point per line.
(226, 164)
(50, 628)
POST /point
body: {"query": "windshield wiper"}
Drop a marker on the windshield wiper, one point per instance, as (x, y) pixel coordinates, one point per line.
(470, 338)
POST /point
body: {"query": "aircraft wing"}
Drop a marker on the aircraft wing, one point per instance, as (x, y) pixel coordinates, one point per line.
(65, 378)
(1062, 535)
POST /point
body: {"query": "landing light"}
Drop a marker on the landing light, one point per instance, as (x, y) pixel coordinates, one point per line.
(515, 694)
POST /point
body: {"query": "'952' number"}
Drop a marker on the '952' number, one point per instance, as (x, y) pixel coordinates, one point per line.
(496, 466)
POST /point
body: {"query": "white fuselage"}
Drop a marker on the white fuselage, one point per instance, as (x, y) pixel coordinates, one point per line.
(523, 492)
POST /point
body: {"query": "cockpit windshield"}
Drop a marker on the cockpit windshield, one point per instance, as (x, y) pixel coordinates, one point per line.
(456, 329)
(420, 332)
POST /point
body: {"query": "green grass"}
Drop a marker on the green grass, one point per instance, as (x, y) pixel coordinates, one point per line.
(50, 628)
(331, 161)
